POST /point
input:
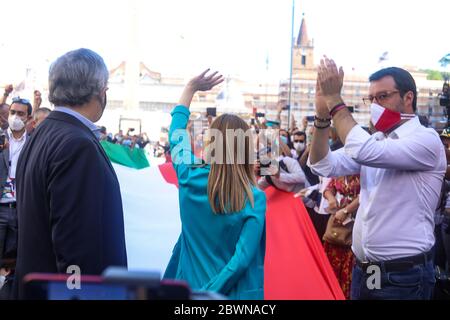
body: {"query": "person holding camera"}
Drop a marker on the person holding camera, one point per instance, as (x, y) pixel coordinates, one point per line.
(443, 212)
(401, 168)
(283, 174)
(222, 243)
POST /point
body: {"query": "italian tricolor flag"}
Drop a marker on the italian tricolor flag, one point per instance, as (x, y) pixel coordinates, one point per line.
(296, 267)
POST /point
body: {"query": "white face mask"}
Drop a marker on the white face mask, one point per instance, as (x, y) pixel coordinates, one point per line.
(299, 146)
(15, 123)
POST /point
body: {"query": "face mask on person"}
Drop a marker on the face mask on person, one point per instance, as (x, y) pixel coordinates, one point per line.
(384, 119)
(299, 146)
(284, 139)
(15, 123)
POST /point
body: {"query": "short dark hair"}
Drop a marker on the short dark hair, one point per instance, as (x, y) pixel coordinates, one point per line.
(300, 133)
(25, 103)
(404, 82)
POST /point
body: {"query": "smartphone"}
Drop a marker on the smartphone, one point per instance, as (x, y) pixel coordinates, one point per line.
(211, 112)
(131, 287)
(263, 165)
(310, 118)
(55, 287)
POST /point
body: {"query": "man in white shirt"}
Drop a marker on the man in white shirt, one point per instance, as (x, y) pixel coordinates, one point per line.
(15, 137)
(402, 168)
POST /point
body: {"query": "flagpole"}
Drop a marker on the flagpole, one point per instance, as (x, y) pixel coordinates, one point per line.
(290, 71)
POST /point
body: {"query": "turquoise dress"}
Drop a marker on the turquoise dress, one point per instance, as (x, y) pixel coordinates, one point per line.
(223, 253)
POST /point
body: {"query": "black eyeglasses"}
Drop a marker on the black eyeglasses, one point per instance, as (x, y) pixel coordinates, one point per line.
(380, 97)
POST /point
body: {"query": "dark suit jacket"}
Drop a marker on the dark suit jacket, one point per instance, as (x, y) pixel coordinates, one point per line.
(68, 202)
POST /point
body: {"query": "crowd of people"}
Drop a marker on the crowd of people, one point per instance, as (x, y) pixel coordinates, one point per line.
(130, 140)
(377, 195)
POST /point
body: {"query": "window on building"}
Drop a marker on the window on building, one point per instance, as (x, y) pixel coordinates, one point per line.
(303, 60)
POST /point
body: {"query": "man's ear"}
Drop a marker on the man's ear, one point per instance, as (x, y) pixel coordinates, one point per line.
(409, 98)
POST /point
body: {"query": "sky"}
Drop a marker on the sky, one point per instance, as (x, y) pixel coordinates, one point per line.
(236, 37)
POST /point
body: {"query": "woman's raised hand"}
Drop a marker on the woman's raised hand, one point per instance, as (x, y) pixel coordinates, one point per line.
(204, 82)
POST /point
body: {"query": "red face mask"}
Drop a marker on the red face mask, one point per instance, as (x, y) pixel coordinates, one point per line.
(384, 119)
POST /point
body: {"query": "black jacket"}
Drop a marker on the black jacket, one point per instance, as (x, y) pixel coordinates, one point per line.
(68, 202)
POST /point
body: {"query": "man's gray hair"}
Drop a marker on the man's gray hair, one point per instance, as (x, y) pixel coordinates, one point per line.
(76, 77)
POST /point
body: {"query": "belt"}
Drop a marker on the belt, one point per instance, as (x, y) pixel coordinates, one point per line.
(398, 265)
(11, 205)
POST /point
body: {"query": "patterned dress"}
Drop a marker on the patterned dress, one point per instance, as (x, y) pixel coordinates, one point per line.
(345, 189)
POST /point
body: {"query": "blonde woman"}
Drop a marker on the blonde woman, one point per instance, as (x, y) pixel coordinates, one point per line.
(222, 243)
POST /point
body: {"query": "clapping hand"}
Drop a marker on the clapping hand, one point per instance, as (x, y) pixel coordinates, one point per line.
(330, 81)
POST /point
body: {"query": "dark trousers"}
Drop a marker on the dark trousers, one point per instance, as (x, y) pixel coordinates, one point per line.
(416, 283)
(8, 232)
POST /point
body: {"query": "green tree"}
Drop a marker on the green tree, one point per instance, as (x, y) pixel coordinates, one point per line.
(434, 74)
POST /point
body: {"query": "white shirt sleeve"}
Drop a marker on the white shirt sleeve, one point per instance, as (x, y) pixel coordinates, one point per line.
(263, 184)
(417, 152)
(295, 175)
(335, 164)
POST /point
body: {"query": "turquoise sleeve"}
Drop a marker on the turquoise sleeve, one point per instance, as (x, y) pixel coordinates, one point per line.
(180, 144)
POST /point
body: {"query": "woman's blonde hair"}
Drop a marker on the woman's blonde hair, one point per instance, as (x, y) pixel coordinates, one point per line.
(231, 176)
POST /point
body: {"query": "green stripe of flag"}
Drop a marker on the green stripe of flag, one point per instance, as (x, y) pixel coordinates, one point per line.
(125, 156)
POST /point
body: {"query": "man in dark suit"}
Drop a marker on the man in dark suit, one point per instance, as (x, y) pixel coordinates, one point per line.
(69, 203)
